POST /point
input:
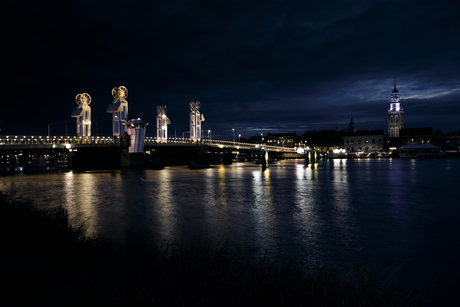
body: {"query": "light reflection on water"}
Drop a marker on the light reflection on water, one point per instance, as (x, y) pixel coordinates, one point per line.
(385, 211)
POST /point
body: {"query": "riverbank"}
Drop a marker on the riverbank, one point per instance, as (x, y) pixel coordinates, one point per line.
(48, 262)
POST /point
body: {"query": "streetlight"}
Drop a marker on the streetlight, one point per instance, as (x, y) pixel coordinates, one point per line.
(209, 135)
(262, 137)
(239, 136)
(233, 129)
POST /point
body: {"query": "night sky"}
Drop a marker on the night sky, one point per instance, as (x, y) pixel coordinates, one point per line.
(255, 66)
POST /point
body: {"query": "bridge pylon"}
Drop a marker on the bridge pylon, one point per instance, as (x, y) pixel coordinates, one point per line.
(82, 114)
(162, 124)
(195, 121)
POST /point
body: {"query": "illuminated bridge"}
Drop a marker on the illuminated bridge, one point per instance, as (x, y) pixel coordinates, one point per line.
(17, 150)
(74, 142)
(128, 146)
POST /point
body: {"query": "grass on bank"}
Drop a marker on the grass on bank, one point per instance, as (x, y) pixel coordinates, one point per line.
(47, 262)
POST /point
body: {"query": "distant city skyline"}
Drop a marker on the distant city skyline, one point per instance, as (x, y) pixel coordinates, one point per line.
(255, 66)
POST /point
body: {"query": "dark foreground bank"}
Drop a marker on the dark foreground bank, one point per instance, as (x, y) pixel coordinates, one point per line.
(47, 262)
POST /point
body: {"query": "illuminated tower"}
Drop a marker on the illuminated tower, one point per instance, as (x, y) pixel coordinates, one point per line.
(195, 121)
(162, 124)
(82, 114)
(119, 110)
(136, 131)
(395, 115)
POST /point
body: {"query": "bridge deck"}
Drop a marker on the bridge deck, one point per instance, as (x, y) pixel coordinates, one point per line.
(39, 142)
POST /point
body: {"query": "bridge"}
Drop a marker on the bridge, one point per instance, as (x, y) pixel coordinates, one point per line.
(128, 144)
(24, 149)
(74, 142)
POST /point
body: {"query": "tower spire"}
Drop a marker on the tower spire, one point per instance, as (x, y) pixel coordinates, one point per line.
(395, 83)
(352, 125)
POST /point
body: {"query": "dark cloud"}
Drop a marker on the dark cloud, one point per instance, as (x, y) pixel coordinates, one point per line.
(254, 65)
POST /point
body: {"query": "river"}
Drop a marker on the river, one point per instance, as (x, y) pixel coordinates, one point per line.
(398, 215)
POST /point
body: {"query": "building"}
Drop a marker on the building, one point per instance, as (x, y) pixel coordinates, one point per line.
(351, 127)
(410, 136)
(282, 139)
(422, 135)
(362, 140)
(395, 114)
(453, 141)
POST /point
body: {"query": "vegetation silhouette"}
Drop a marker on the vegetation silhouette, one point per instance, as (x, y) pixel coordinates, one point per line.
(48, 262)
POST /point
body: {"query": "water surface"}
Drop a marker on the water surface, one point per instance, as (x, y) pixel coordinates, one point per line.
(396, 214)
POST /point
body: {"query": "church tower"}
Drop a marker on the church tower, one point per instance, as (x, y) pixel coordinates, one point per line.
(352, 126)
(395, 115)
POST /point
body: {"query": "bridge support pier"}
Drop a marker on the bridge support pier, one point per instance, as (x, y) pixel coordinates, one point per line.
(264, 160)
(155, 160)
(228, 158)
(310, 157)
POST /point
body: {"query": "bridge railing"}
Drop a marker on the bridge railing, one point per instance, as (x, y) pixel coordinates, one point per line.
(153, 140)
(32, 140)
(241, 145)
(221, 144)
(36, 140)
